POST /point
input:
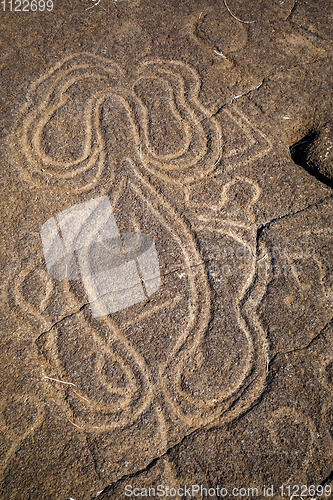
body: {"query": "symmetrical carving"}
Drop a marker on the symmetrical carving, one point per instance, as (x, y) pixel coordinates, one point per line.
(160, 130)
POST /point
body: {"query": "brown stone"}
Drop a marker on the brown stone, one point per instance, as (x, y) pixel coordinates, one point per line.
(208, 126)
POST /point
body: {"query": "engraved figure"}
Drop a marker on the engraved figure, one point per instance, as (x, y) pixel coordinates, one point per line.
(127, 151)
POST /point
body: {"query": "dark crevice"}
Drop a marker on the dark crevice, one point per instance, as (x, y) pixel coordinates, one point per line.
(261, 230)
(299, 154)
(298, 151)
(59, 321)
(292, 10)
(110, 488)
(298, 349)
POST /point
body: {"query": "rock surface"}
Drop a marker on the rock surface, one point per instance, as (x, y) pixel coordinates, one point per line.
(319, 153)
(194, 119)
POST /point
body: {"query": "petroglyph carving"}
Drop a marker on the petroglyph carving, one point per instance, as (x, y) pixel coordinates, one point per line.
(230, 202)
(20, 416)
(163, 98)
(108, 410)
(219, 33)
(125, 141)
(285, 424)
(96, 401)
(168, 93)
(44, 134)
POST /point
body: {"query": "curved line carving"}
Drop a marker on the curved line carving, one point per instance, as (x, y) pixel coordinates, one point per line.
(192, 161)
(16, 438)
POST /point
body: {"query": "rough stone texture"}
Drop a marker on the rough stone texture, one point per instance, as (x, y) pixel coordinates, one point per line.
(187, 118)
(320, 152)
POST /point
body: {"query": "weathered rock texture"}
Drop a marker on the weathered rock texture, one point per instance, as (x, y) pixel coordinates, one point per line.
(188, 116)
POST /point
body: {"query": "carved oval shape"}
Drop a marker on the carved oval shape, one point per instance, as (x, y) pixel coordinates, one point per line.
(193, 150)
(100, 381)
(43, 145)
(168, 134)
